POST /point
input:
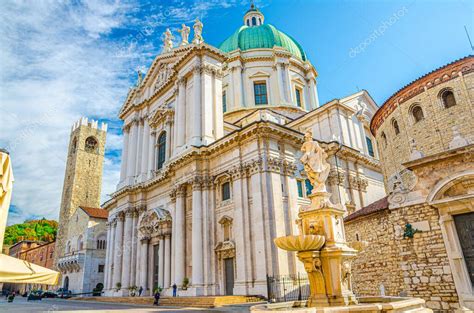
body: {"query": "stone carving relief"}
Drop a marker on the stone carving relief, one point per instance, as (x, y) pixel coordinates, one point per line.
(336, 177)
(156, 222)
(225, 249)
(400, 185)
(164, 72)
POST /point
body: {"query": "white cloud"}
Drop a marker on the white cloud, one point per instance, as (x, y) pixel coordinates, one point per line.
(59, 62)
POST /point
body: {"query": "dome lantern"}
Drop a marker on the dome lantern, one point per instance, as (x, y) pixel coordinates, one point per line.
(253, 17)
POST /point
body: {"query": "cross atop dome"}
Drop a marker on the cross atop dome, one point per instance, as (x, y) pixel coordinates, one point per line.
(253, 17)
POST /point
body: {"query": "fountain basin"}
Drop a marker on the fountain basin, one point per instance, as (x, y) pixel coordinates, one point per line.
(300, 242)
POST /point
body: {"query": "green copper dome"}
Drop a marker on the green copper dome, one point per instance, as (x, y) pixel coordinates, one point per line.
(262, 36)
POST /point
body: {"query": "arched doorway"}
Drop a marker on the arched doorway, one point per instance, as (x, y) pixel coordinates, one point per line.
(453, 196)
(66, 283)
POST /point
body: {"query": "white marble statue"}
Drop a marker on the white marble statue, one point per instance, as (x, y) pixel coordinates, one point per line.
(184, 31)
(168, 41)
(198, 32)
(315, 163)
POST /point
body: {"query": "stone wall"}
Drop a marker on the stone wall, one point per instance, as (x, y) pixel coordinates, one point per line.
(435, 132)
(415, 266)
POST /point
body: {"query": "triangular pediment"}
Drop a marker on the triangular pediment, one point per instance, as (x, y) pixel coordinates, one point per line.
(260, 74)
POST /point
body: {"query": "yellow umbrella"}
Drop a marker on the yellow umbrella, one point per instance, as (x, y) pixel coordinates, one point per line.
(13, 270)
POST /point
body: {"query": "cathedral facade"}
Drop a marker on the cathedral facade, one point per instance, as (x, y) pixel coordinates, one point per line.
(210, 170)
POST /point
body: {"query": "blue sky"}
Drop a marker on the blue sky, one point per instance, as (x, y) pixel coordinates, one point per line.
(66, 59)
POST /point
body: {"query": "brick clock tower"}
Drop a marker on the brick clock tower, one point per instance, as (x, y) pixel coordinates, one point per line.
(83, 177)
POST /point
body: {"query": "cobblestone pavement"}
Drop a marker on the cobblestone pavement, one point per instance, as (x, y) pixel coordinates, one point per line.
(20, 305)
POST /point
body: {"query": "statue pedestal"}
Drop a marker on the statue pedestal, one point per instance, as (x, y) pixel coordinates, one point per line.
(313, 266)
(335, 258)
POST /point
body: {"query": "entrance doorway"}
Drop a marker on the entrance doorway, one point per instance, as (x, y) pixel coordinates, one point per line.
(66, 283)
(465, 229)
(229, 276)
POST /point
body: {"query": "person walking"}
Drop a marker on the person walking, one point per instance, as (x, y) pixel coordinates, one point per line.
(140, 290)
(157, 297)
(175, 289)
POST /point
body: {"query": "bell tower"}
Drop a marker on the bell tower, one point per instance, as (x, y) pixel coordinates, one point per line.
(83, 176)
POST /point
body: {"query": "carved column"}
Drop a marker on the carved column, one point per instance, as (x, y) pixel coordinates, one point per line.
(231, 104)
(173, 236)
(281, 86)
(110, 251)
(257, 217)
(133, 270)
(123, 167)
(168, 138)
(206, 185)
(161, 264)
(144, 264)
(126, 249)
(151, 153)
(179, 237)
(239, 229)
(145, 147)
(288, 87)
(139, 147)
(197, 245)
(167, 262)
(132, 153)
(118, 250)
(180, 114)
(196, 109)
(107, 257)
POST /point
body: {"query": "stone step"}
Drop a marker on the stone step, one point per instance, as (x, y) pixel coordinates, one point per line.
(198, 302)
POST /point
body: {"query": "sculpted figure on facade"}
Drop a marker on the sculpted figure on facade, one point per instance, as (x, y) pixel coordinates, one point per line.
(198, 32)
(315, 162)
(168, 41)
(184, 31)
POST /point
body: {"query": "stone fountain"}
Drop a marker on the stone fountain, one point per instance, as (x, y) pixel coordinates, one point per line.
(327, 257)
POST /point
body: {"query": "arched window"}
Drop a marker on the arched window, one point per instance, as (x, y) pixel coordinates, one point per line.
(417, 113)
(161, 150)
(101, 242)
(225, 191)
(448, 99)
(80, 244)
(395, 127)
(91, 144)
(254, 21)
(248, 22)
(384, 139)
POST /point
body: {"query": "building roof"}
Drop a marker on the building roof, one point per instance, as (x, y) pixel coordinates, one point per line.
(379, 205)
(429, 80)
(27, 241)
(95, 212)
(264, 36)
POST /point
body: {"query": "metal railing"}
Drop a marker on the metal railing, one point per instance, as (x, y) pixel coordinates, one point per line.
(281, 288)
